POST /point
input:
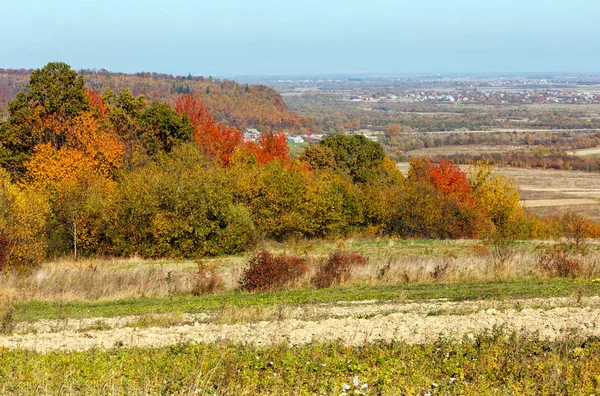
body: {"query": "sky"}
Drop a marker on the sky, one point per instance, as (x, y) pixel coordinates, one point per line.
(228, 38)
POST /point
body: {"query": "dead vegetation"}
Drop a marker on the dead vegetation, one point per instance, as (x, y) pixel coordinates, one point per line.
(95, 280)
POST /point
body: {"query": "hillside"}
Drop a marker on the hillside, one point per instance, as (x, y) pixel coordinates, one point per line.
(243, 106)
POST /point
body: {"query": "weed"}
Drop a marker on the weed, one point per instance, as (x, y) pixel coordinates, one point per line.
(268, 272)
(560, 260)
(7, 321)
(4, 250)
(337, 269)
(98, 325)
(206, 280)
(440, 270)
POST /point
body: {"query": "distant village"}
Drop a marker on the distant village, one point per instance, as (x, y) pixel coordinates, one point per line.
(486, 97)
(253, 135)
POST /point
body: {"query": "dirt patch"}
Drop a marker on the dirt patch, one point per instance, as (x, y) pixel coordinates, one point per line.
(585, 152)
(351, 323)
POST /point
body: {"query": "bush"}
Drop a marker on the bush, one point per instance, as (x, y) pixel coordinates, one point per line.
(337, 269)
(268, 272)
(560, 260)
(179, 206)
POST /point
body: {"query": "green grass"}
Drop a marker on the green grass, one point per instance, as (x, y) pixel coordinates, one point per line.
(296, 148)
(519, 288)
(490, 364)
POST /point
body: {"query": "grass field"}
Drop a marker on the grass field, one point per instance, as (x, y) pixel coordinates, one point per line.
(438, 317)
(491, 363)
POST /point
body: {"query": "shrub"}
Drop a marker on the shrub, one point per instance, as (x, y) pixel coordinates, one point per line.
(206, 280)
(560, 260)
(337, 268)
(268, 272)
(179, 206)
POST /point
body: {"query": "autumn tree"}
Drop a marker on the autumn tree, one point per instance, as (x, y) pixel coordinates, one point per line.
(499, 199)
(22, 225)
(355, 156)
(271, 146)
(124, 117)
(317, 157)
(42, 113)
(217, 140)
(79, 179)
(164, 128)
(179, 206)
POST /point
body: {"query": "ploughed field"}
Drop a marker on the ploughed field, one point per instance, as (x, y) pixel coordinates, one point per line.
(419, 316)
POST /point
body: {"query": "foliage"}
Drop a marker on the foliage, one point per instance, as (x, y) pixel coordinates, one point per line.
(499, 199)
(318, 157)
(22, 225)
(78, 180)
(268, 272)
(271, 146)
(41, 113)
(192, 214)
(164, 128)
(216, 140)
(355, 156)
(337, 268)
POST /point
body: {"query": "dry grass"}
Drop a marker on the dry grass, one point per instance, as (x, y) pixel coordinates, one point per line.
(97, 280)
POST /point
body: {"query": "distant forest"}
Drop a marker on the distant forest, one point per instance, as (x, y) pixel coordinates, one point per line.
(239, 105)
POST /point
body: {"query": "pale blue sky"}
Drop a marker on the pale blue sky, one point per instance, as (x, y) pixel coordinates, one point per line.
(267, 37)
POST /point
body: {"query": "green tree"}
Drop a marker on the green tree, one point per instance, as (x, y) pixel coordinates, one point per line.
(164, 128)
(41, 113)
(355, 156)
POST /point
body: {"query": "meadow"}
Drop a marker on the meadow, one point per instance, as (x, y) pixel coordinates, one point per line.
(418, 316)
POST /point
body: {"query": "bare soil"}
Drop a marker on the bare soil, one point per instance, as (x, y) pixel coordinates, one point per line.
(352, 323)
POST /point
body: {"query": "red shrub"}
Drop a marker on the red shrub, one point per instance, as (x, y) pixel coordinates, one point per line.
(268, 272)
(337, 269)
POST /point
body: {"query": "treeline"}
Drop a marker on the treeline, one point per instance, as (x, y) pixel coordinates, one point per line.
(538, 158)
(240, 105)
(400, 141)
(86, 174)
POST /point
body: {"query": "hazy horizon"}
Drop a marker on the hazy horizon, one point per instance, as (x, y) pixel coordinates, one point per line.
(265, 38)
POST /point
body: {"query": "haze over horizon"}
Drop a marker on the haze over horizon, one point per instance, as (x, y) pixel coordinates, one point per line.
(269, 38)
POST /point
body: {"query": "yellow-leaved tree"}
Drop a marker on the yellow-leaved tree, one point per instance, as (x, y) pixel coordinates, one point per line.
(499, 197)
(78, 178)
(22, 225)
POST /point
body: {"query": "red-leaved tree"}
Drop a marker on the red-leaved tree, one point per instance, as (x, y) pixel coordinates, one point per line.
(271, 146)
(217, 140)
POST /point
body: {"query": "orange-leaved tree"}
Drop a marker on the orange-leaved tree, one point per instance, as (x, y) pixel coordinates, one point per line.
(461, 214)
(444, 176)
(78, 178)
(271, 146)
(215, 139)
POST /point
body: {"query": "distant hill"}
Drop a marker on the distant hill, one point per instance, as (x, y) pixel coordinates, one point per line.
(241, 105)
